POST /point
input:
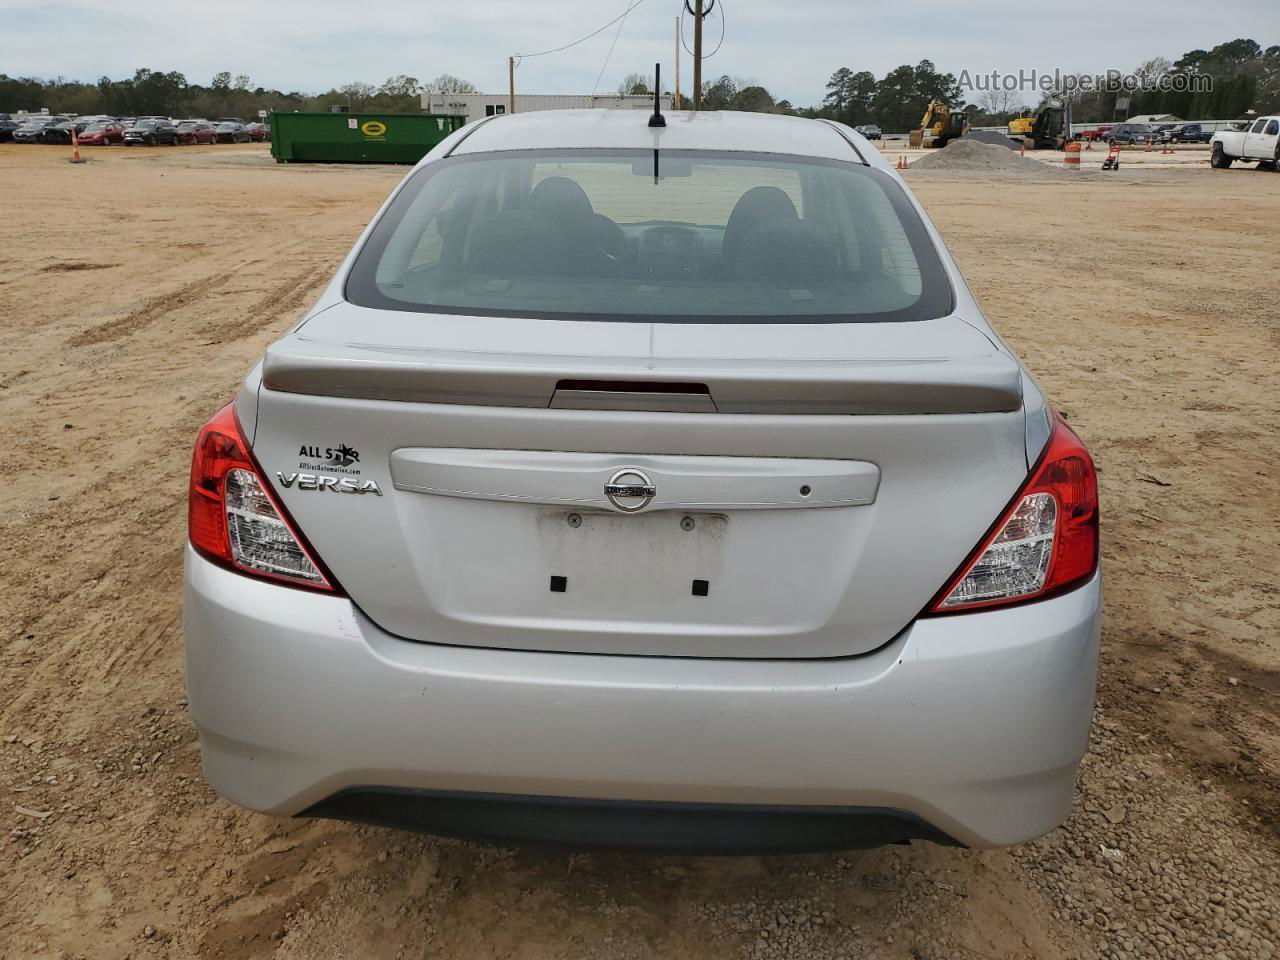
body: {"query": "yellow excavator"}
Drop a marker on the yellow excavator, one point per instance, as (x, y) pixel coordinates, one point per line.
(1046, 129)
(941, 123)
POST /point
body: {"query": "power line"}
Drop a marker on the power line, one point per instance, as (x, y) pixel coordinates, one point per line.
(604, 66)
(706, 13)
(720, 42)
(543, 53)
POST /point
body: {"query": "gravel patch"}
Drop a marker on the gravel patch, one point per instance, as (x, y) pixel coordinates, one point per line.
(1152, 865)
(973, 156)
(998, 139)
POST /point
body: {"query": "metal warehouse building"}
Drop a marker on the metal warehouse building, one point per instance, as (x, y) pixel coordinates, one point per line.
(473, 105)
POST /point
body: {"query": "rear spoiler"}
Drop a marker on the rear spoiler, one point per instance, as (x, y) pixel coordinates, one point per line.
(985, 384)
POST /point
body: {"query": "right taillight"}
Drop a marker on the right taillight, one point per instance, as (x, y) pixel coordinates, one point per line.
(234, 520)
(1044, 543)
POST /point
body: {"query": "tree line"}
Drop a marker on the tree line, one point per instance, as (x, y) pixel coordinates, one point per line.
(169, 94)
(1244, 76)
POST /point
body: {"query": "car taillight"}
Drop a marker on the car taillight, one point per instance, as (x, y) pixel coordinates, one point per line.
(233, 519)
(1044, 543)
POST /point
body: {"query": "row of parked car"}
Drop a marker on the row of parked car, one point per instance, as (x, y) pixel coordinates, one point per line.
(1146, 133)
(151, 131)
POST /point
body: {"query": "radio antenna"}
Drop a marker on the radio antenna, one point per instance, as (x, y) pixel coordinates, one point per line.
(657, 120)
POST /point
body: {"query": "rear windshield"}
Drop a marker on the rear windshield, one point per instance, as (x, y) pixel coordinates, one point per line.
(595, 234)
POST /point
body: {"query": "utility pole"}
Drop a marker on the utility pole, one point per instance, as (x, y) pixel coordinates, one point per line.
(675, 97)
(511, 84)
(697, 56)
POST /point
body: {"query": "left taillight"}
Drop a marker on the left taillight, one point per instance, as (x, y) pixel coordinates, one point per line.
(232, 517)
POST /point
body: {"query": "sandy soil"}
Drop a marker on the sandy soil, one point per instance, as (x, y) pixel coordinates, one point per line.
(140, 286)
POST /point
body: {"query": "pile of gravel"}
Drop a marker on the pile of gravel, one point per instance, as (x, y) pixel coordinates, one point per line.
(989, 136)
(974, 156)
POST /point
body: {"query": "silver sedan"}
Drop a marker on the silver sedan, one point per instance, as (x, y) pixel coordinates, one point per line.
(654, 486)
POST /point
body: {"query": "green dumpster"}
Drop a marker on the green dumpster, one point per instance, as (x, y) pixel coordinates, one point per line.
(357, 137)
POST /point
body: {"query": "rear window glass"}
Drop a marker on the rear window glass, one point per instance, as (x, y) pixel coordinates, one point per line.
(584, 234)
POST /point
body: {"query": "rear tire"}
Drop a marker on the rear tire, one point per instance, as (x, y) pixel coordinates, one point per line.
(1218, 159)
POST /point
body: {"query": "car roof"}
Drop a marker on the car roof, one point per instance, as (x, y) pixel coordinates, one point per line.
(685, 130)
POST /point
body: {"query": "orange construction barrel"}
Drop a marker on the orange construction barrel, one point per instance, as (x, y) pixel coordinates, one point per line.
(1072, 159)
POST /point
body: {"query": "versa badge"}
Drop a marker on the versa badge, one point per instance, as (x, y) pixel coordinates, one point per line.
(312, 481)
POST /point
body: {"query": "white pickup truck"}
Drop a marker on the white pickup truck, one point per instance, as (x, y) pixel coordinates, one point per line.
(1259, 141)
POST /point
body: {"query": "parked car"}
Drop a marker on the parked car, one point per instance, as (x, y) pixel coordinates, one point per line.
(151, 133)
(1163, 133)
(197, 131)
(1190, 133)
(638, 518)
(1259, 141)
(870, 130)
(103, 133)
(258, 132)
(30, 130)
(1130, 133)
(230, 132)
(7, 126)
(1099, 132)
(61, 132)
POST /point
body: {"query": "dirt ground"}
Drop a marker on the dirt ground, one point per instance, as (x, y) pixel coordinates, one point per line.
(139, 287)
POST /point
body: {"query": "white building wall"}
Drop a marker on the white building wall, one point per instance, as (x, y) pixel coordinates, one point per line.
(475, 105)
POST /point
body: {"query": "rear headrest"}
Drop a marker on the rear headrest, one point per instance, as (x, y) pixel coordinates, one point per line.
(560, 198)
(791, 252)
(758, 205)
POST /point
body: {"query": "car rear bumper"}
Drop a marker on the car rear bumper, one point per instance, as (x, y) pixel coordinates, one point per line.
(689, 828)
(967, 727)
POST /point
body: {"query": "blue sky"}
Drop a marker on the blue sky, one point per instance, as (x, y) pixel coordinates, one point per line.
(789, 47)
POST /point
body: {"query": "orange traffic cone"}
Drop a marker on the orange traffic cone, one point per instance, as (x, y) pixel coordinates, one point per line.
(75, 146)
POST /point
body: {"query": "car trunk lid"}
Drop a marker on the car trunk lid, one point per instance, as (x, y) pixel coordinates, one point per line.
(795, 491)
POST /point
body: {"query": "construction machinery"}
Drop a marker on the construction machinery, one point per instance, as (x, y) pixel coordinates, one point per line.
(1046, 129)
(941, 123)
